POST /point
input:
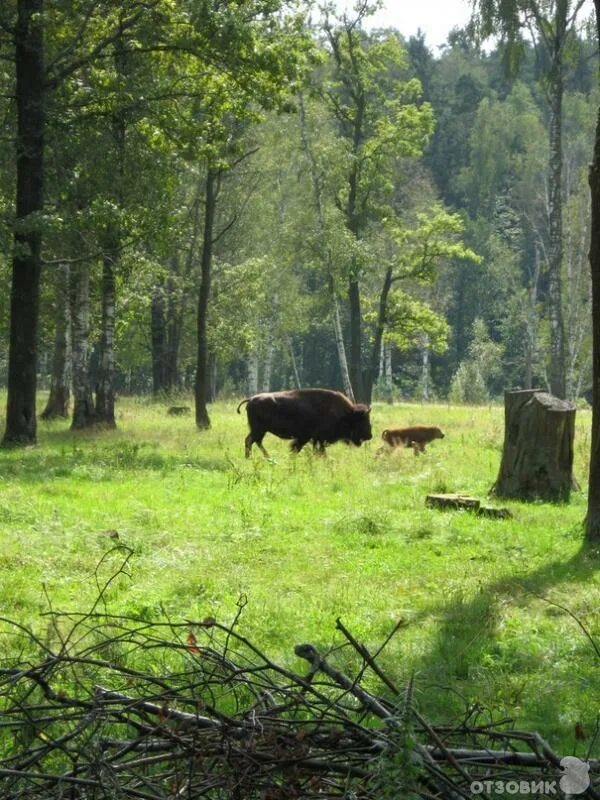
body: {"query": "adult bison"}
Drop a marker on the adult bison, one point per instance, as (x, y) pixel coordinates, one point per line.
(320, 416)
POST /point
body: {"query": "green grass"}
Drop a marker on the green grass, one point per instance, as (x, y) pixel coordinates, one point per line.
(308, 539)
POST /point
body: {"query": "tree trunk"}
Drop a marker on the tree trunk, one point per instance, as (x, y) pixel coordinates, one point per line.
(356, 375)
(202, 377)
(528, 365)
(177, 297)
(295, 369)
(252, 366)
(555, 207)
(335, 306)
(537, 459)
(578, 325)
(379, 331)
(175, 308)
(532, 319)
(388, 381)
(340, 346)
(26, 266)
(425, 368)
(166, 315)
(268, 364)
(58, 401)
(105, 393)
(158, 330)
(84, 413)
(592, 522)
(212, 376)
(362, 388)
(111, 249)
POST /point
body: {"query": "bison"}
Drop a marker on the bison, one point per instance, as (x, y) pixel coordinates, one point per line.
(415, 436)
(320, 416)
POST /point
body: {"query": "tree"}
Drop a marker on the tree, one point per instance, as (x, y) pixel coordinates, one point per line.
(592, 522)
(84, 411)
(579, 127)
(175, 286)
(459, 82)
(379, 120)
(26, 269)
(111, 244)
(420, 247)
(201, 392)
(317, 179)
(58, 400)
(280, 51)
(554, 25)
(72, 43)
(269, 274)
(471, 380)
(503, 188)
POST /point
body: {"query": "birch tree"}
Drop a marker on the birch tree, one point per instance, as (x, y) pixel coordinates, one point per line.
(316, 175)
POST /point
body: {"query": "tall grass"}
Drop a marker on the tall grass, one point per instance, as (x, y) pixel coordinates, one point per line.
(307, 539)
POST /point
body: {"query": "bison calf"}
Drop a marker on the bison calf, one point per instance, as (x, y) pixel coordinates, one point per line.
(320, 416)
(415, 436)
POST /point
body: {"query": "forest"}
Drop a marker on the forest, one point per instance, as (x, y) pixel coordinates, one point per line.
(205, 200)
(230, 199)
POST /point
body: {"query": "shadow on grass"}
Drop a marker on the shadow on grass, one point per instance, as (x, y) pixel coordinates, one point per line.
(487, 653)
(96, 454)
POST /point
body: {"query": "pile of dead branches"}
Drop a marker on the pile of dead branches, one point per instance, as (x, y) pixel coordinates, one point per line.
(116, 707)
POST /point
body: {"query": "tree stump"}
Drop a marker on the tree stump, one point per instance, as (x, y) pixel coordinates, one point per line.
(537, 458)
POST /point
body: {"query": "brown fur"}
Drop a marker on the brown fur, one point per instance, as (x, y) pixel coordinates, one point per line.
(415, 436)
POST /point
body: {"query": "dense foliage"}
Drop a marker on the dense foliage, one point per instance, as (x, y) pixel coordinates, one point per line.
(245, 201)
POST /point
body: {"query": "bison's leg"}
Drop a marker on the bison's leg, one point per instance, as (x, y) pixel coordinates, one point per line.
(251, 439)
(262, 449)
(298, 444)
(319, 447)
(418, 447)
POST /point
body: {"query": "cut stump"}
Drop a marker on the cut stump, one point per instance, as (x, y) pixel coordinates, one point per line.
(537, 457)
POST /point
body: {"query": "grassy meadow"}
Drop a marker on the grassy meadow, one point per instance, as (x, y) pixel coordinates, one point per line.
(307, 539)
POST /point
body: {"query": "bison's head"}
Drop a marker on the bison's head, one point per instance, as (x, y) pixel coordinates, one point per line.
(437, 433)
(359, 424)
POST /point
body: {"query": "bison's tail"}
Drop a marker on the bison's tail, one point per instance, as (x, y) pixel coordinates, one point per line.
(384, 433)
(242, 403)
